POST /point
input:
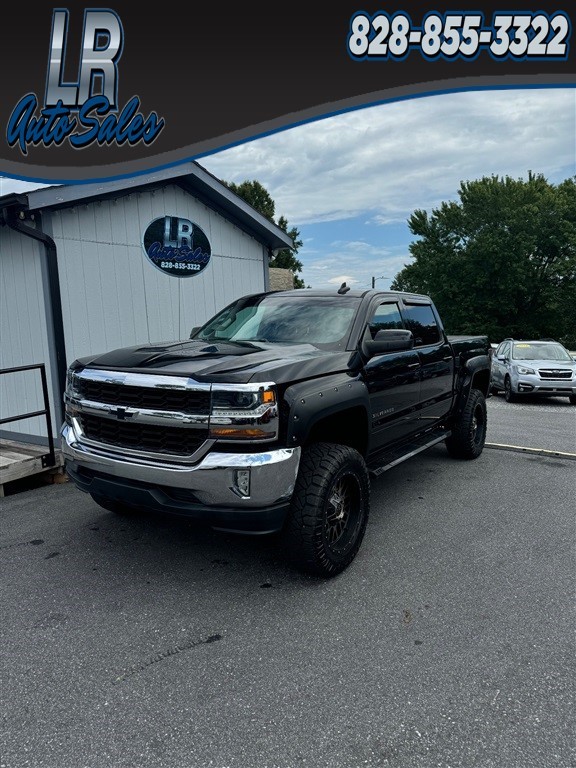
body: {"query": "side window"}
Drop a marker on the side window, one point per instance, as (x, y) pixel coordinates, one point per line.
(421, 321)
(386, 316)
(504, 349)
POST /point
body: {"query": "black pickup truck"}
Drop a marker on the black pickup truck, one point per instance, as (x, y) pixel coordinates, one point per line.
(272, 417)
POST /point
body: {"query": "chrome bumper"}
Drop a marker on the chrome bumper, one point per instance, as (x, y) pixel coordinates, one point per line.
(213, 482)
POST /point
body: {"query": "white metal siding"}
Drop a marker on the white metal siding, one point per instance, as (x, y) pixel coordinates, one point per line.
(112, 295)
(23, 332)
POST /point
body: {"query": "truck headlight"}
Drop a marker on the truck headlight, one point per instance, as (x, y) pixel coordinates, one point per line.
(246, 412)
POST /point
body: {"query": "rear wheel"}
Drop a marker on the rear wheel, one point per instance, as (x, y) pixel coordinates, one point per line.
(469, 432)
(329, 510)
(509, 395)
(573, 399)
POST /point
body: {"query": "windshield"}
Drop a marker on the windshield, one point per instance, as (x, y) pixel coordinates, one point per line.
(324, 321)
(540, 351)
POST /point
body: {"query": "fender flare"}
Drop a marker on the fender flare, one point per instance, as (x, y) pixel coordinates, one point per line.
(311, 401)
(464, 382)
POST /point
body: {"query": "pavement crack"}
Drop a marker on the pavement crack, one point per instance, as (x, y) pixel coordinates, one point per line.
(180, 648)
(33, 543)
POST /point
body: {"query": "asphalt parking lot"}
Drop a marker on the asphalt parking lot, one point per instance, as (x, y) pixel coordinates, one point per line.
(449, 642)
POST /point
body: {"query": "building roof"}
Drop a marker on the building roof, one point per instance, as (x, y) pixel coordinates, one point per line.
(190, 176)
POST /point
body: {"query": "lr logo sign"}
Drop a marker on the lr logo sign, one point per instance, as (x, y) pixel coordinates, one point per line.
(86, 111)
(176, 246)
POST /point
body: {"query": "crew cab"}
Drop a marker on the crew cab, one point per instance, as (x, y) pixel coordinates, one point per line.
(275, 415)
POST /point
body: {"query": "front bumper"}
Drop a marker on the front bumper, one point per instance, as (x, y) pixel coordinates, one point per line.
(532, 384)
(207, 492)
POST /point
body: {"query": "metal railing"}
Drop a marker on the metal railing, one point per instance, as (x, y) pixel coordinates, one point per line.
(48, 459)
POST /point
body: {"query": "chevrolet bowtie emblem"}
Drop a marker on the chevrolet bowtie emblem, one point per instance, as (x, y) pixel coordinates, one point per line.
(122, 413)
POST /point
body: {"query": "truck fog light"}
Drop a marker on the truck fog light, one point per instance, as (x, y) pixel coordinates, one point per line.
(242, 480)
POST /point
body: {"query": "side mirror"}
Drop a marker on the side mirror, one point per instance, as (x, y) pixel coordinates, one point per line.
(194, 331)
(388, 340)
(502, 358)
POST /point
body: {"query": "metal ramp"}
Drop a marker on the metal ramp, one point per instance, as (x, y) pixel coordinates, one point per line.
(19, 460)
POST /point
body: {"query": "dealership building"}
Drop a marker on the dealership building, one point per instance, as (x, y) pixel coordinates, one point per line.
(87, 268)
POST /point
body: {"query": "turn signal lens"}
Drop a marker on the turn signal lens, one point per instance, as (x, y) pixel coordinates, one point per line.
(239, 433)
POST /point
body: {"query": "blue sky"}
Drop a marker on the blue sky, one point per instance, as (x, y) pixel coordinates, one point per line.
(350, 182)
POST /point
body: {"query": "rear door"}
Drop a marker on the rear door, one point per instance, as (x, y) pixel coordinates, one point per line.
(498, 372)
(436, 361)
(393, 382)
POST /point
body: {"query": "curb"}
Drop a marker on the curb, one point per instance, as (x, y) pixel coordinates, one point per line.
(534, 451)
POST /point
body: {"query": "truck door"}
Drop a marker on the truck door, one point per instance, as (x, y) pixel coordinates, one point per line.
(393, 382)
(436, 361)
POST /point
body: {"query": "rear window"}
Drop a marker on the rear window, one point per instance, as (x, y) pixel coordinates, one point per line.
(420, 319)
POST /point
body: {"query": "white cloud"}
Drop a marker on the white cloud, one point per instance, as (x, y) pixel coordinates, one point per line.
(381, 163)
(8, 186)
(385, 161)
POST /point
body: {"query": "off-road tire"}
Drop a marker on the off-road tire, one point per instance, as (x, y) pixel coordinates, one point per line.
(329, 509)
(509, 396)
(469, 431)
(114, 506)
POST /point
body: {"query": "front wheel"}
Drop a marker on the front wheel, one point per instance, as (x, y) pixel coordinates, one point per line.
(469, 431)
(509, 395)
(329, 509)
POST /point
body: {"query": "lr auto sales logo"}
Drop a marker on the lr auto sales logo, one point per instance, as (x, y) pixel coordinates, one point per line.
(176, 246)
(87, 111)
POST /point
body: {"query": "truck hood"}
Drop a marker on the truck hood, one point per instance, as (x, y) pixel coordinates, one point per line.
(224, 361)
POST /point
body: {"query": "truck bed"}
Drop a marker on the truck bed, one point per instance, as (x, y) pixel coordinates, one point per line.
(469, 346)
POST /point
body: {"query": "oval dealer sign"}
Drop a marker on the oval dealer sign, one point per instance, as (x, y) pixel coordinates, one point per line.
(176, 246)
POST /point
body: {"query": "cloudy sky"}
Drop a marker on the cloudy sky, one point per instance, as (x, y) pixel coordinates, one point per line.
(350, 182)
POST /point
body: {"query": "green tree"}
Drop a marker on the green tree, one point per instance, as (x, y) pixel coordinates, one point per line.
(501, 260)
(256, 195)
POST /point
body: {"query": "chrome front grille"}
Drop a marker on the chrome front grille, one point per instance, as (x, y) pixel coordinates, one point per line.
(554, 374)
(150, 438)
(183, 401)
(143, 415)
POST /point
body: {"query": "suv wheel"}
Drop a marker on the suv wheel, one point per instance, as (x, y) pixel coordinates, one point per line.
(509, 395)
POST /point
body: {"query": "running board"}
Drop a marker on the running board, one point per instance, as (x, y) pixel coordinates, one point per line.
(405, 451)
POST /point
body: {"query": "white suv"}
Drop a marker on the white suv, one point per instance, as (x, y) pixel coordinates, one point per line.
(533, 368)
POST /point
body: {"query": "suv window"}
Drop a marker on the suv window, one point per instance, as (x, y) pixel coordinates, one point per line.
(421, 321)
(534, 350)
